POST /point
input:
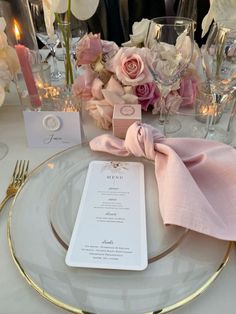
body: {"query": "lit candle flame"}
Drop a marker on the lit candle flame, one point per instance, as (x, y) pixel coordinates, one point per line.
(16, 30)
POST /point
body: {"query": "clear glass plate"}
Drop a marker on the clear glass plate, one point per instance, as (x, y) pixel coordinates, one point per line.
(182, 264)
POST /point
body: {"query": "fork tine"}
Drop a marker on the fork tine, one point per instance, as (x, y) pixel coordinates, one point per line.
(18, 172)
(15, 170)
(25, 173)
(19, 175)
(21, 170)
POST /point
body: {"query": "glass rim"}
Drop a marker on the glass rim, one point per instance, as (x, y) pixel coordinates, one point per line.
(185, 20)
(223, 27)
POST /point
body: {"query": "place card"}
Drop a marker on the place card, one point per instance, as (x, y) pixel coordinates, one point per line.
(53, 128)
(110, 228)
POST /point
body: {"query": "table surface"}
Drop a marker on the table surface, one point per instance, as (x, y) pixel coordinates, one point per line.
(16, 296)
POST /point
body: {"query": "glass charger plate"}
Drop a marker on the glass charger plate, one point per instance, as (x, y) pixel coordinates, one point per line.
(182, 264)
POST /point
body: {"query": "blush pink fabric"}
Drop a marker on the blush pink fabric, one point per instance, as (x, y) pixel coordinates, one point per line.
(196, 178)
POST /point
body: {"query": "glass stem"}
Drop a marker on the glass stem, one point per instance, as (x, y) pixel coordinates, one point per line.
(162, 115)
(54, 63)
(210, 124)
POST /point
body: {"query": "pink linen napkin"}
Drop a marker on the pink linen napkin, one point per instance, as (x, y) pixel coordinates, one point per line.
(196, 178)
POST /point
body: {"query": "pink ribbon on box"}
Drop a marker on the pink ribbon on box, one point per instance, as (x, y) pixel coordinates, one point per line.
(196, 178)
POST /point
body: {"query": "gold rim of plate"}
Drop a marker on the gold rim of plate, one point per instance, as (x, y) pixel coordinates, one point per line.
(73, 309)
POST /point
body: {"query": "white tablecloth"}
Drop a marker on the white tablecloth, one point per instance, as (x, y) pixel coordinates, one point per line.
(16, 296)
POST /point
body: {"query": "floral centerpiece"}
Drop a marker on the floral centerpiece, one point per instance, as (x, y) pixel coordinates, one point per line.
(112, 75)
(9, 64)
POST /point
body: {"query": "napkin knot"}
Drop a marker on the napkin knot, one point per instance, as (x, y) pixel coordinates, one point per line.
(140, 139)
(196, 179)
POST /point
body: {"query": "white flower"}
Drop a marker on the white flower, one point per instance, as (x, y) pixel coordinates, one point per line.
(3, 37)
(81, 9)
(5, 78)
(140, 31)
(5, 74)
(223, 11)
(166, 60)
(9, 56)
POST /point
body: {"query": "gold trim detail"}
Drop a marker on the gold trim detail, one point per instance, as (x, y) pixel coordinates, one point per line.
(75, 310)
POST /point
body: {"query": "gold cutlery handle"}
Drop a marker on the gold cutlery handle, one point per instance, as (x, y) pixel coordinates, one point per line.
(3, 202)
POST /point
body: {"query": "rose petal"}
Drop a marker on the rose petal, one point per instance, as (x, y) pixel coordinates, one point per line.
(114, 86)
(130, 99)
(97, 88)
(112, 98)
(2, 24)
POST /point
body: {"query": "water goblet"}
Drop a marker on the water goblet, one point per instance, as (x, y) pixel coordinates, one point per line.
(193, 119)
(187, 8)
(219, 58)
(171, 42)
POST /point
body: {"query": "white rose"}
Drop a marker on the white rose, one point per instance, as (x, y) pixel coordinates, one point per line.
(140, 31)
(9, 57)
(3, 37)
(5, 74)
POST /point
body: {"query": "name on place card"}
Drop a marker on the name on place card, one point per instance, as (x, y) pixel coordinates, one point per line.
(110, 228)
(53, 128)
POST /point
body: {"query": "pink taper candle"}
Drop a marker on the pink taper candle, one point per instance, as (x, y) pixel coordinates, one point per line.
(23, 56)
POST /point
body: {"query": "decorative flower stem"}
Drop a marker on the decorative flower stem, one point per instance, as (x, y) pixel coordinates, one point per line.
(66, 38)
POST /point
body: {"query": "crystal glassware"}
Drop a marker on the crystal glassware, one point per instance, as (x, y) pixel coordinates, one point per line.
(193, 119)
(219, 57)
(51, 42)
(171, 42)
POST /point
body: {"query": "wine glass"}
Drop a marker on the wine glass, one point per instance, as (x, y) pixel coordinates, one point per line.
(187, 8)
(171, 42)
(219, 57)
(193, 118)
(51, 42)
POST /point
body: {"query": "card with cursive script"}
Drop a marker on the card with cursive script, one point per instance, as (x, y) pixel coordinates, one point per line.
(53, 128)
(110, 228)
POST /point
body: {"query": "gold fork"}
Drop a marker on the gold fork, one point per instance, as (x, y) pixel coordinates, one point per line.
(18, 178)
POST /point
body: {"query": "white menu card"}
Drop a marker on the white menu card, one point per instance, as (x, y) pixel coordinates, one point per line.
(110, 228)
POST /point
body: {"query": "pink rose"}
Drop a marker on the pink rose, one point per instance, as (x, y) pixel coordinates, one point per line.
(88, 49)
(188, 91)
(130, 66)
(83, 84)
(147, 94)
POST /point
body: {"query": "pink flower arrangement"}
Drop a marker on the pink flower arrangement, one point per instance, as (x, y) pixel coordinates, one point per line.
(113, 75)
